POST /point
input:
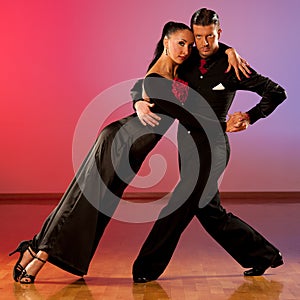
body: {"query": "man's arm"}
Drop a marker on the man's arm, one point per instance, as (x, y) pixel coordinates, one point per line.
(272, 95)
(136, 92)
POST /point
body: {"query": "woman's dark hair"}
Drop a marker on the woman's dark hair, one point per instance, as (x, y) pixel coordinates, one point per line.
(204, 17)
(169, 28)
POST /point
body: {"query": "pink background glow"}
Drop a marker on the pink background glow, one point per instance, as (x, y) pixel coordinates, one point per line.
(57, 56)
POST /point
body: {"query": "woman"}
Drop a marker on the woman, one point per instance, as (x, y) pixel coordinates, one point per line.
(71, 233)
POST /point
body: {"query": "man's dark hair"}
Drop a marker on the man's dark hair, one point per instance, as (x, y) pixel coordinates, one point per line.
(204, 17)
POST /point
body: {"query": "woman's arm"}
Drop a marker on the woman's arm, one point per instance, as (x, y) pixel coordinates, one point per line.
(238, 63)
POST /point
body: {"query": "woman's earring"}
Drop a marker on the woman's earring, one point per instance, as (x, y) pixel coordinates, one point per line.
(167, 52)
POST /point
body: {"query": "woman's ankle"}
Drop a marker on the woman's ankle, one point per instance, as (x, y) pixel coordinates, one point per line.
(34, 267)
(42, 255)
(28, 256)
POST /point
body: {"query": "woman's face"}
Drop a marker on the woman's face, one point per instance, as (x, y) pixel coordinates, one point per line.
(179, 45)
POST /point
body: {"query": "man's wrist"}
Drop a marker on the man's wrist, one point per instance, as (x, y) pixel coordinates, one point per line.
(247, 117)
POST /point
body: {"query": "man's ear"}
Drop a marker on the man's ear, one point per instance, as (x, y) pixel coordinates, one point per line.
(219, 33)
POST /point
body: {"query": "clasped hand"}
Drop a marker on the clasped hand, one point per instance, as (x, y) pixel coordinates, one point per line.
(237, 121)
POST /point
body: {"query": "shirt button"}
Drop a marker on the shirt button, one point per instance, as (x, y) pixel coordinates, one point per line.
(201, 77)
(182, 103)
(189, 132)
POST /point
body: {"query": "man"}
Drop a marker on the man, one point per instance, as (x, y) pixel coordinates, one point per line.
(205, 73)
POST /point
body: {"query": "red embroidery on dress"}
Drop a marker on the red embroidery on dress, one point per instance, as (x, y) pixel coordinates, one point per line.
(180, 89)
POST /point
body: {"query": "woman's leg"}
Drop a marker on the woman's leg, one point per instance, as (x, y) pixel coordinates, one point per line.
(29, 273)
(25, 257)
(71, 233)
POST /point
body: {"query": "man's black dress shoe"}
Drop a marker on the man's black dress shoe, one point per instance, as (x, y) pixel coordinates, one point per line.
(141, 279)
(259, 270)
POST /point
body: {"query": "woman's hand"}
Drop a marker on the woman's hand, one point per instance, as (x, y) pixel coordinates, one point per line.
(144, 113)
(238, 63)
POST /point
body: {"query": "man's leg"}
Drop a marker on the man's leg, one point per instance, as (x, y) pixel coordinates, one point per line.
(247, 246)
(160, 244)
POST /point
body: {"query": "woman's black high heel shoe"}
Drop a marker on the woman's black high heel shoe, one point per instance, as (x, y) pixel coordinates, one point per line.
(18, 268)
(28, 276)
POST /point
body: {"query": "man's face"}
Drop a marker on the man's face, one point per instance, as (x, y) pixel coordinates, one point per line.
(207, 39)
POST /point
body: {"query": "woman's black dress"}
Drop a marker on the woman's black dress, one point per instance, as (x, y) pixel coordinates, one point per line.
(71, 233)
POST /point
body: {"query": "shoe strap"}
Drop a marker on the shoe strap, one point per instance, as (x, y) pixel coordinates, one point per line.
(40, 259)
(31, 252)
(34, 256)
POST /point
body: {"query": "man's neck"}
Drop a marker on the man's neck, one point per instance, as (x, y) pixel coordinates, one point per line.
(211, 55)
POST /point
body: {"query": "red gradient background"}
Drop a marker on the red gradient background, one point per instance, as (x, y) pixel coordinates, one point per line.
(57, 56)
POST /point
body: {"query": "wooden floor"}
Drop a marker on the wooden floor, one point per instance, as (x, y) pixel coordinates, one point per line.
(200, 269)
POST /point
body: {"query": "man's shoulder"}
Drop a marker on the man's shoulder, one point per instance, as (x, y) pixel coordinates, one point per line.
(194, 57)
(192, 61)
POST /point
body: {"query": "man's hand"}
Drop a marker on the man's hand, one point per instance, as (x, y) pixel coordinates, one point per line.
(238, 63)
(237, 122)
(145, 115)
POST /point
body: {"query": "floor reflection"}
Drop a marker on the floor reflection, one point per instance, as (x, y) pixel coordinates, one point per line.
(149, 291)
(252, 288)
(26, 292)
(75, 290)
(258, 288)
